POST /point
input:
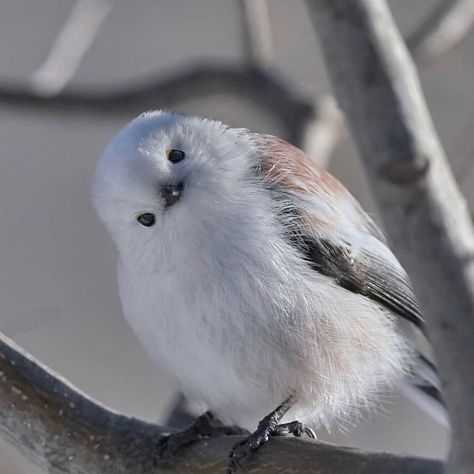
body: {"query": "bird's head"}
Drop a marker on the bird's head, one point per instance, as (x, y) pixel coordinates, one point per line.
(163, 170)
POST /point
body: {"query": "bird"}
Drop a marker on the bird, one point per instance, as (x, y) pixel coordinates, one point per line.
(254, 278)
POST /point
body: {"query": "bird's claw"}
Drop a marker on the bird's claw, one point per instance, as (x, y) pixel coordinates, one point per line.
(244, 449)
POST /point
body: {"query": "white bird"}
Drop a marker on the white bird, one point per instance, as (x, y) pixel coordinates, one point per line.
(253, 277)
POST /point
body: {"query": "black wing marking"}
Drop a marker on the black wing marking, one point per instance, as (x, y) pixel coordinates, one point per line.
(426, 379)
(362, 272)
(423, 388)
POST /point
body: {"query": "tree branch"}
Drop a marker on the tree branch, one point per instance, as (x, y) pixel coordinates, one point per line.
(62, 430)
(445, 27)
(320, 135)
(425, 215)
(267, 90)
(256, 31)
(73, 41)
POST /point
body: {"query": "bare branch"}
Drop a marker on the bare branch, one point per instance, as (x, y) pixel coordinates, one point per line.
(425, 215)
(446, 26)
(269, 91)
(62, 430)
(73, 41)
(322, 134)
(256, 31)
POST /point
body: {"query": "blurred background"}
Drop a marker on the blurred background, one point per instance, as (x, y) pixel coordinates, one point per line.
(57, 266)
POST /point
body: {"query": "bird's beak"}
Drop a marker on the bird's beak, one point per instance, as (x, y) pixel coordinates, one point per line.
(171, 193)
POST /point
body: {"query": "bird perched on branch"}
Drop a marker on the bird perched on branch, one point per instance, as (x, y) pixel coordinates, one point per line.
(252, 276)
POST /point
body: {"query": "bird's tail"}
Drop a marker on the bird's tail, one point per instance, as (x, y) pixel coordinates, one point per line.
(423, 388)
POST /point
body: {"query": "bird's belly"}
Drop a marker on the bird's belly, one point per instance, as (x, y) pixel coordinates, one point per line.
(202, 345)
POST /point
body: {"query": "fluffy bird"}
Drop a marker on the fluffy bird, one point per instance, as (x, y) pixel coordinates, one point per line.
(253, 277)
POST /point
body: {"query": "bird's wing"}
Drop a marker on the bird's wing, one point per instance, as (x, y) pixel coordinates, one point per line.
(362, 270)
(331, 230)
(423, 388)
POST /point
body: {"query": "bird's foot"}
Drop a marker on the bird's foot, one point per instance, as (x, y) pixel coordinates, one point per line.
(296, 428)
(267, 429)
(205, 426)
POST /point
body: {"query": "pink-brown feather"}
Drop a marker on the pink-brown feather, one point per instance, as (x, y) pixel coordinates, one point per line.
(287, 166)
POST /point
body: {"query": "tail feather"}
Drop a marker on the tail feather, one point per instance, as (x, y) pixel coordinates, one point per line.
(423, 388)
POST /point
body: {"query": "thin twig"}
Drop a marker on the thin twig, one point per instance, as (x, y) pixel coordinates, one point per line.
(322, 134)
(256, 31)
(445, 27)
(72, 43)
(267, 90)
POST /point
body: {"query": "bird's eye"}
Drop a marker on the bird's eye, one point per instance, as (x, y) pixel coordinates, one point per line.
(175, 156)
(147, 219)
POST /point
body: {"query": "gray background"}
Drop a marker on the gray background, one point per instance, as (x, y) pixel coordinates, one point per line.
(57, 277)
